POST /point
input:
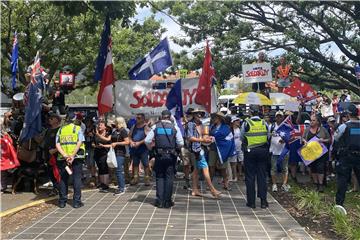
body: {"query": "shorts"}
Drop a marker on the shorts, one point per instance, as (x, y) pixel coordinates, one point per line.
(141, 157)
(187, 158)
(214, 161)
(200, 160)
(239, 157)
(284, 165)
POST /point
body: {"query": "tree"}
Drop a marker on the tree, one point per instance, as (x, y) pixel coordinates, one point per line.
(308, 31)
(66, 33)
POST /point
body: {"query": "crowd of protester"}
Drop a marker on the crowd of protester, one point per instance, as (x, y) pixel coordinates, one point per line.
(207, 153)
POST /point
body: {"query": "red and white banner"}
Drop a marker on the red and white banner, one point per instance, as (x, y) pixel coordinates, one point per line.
(149, 97)
(257, 72)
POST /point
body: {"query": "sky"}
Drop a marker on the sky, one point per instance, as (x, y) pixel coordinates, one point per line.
(173, 29)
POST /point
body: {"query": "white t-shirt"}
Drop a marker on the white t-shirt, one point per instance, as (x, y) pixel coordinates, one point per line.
(275, 147)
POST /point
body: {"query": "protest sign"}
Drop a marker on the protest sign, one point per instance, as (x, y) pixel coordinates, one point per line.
(149, 97)
(257, 72)
(312, 151)
(292, 106)
(280, 99)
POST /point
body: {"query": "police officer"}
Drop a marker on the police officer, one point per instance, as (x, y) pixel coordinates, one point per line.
(167, 138)
(254, 135)
(348, 138)
(70, 145)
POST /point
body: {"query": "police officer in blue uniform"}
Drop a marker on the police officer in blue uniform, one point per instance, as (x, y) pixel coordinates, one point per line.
(254, 135)
(347, 137)
(167, 140)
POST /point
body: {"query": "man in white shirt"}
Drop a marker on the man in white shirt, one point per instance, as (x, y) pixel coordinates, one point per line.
(276, 147)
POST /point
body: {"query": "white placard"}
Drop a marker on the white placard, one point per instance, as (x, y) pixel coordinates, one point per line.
(292, 106)
(257, 72)
(149, 97)
(279, 98)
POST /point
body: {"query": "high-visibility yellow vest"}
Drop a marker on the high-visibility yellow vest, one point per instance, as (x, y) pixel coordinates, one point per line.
(68, 138)
(257, 134)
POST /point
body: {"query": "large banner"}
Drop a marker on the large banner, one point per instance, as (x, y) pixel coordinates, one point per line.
(257, 72)
(149, 97)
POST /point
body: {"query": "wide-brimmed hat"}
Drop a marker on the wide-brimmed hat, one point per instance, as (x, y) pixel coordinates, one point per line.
(198, 110)
(218, 114)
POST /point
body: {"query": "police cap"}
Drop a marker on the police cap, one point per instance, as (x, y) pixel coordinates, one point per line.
(166, 113)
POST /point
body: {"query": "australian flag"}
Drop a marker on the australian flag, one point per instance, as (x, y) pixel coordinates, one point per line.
(174, 103)
(33, 103)
(158, 60)
(291, 134)
(285, 129)
(14, 61)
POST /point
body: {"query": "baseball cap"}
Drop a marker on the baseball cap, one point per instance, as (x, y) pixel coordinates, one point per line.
(234, 118)
(279, 113)
(331, 119)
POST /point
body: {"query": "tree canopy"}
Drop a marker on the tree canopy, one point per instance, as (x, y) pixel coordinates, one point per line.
(68, 33)
(321, 38)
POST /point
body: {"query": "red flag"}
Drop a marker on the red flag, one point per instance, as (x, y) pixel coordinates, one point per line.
(105, 96)
(301, 90)
(55, 169)
(204, 90)
(9, 158)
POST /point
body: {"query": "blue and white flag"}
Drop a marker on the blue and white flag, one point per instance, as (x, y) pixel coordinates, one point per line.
(174, 100)
(174, 104)
(158, 60)
(14, 61)
(224, 141)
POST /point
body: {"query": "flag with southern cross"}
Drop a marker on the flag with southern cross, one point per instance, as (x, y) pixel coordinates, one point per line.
(158, 60)
(33, 104)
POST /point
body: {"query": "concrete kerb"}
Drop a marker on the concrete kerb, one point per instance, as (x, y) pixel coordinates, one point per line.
(32, 204)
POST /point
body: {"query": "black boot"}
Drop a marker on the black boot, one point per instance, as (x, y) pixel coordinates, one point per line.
(264, 203)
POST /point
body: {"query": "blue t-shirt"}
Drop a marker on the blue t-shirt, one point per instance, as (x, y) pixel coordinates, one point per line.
(138, 134)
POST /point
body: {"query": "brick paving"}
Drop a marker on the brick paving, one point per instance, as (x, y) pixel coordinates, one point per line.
(133, 216)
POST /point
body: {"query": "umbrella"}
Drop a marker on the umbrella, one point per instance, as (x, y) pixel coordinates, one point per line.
(252, 98)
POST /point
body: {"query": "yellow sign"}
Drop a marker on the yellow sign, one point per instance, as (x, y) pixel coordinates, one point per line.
(311, 151)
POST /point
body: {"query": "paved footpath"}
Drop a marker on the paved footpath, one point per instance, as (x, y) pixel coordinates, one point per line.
(133, 216)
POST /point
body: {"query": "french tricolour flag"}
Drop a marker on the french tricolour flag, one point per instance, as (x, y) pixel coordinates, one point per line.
(104, 71)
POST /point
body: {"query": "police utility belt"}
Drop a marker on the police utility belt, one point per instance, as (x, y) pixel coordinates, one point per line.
(165, 151)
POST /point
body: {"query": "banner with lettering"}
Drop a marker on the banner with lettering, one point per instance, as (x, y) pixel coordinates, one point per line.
(312, 151)
(257, 72)
(149, 97)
